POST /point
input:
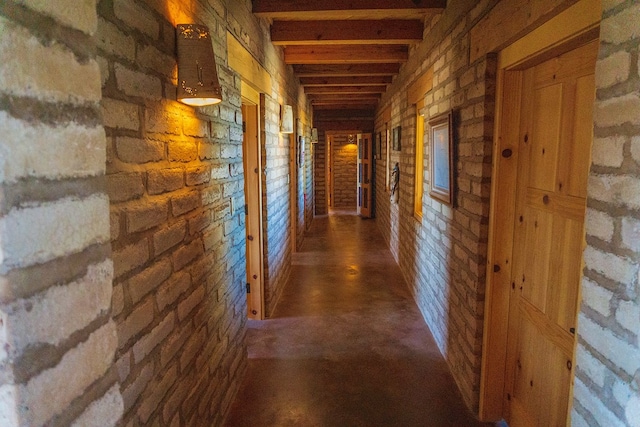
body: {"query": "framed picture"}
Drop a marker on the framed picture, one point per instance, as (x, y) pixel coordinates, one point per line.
(379, 146)
(441, 158)
(396, 138)
(286, 119)
(301, 143)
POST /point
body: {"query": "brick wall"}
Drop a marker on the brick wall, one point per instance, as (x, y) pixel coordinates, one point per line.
(345, 171)
(607, 383)
(55, 263)
(320, 171)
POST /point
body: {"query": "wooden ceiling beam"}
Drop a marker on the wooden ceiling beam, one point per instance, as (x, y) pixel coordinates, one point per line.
(344, 89)
(333, 107)
(338, 70)
(345, 54)
(346, 32)
(346, 9)
(345, 81)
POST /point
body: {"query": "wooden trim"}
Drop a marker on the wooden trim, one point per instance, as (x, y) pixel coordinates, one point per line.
(345, 81)
(345, 54)
(250, 94)
(335, 70)
(247, 66)
(422, 85)
(563, 32)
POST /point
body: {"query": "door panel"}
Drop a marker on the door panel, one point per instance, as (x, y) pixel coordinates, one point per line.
(364, 174)
(554, 155)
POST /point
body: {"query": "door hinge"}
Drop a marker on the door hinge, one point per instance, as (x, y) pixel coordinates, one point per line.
(244, 127)
(246, 209)
(248, 288)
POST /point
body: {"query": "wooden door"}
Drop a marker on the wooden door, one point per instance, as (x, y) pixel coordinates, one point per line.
(365, 155)
(251, 151)
(554, 144)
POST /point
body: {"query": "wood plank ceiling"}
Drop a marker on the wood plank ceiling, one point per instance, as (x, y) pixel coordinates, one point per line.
(346, 52)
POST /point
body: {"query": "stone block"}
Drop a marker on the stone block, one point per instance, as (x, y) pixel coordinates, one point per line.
(136, 321)
(191, 348)
(137, 17)
(80, 15)
(630, 234)
(152, 59)
(198, 175)
(43, 72)
(35, 403)
(184, 203)
(169, 237)
(613, 69)
(608, 152)
(119, 114)
(599, 224)
(628, 316)
(163, 120)
(52, 316)
(148, 280)
(616, 190)
(186, 253)
(183, 151)
(136, 150)
(35, 150)
(145, 345)
(171, 347)
(112, 41)
(621, 27)
(152, 403)
(220, 171)
(130, 257)
(172, 290)
(135, 83)
(144, 216)
(618, 111)
(187, 306)
(117, 300)
(596, 297)
(73, 224)
(135, 389)
(165, 180)
(123, 187)
(104, 412)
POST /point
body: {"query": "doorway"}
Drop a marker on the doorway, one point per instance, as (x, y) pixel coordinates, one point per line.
(252, 164)
(542, 151)
(342, 170)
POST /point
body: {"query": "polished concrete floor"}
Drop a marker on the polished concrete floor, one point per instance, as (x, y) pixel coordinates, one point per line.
(346, 345)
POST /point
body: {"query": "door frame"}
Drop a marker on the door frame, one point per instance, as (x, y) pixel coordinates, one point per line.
(330, 158)
(253, 208)
(568, 30)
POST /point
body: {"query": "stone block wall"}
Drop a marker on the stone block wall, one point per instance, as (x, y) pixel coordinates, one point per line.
(319, 173)
(58, 339)
(176, 187)
(607, 383)
(345, 171)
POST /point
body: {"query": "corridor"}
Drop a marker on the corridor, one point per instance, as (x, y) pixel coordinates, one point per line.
(346, 345)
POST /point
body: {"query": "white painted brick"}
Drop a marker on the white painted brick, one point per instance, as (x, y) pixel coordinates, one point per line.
(592, 402)
(78, 14)
(628, 315)
(34, 403)
(621, 27)
(52, 316)
(614, 267)
(577, 420)
(49, 73)
(599, 224)
(594, 369)
(619, 352)
(104, 412)
(41, 151)
(146, 344)
(42, 233)
(631, 233)
(119, 114)
(621, 190)
(617, 111)
(114, 42)
(136, 17)
(134, 83)
(613, 69)
(596, 297)
(632, 411)
(608, 151)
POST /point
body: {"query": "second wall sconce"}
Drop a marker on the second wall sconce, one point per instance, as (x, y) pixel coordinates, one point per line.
(198, 83)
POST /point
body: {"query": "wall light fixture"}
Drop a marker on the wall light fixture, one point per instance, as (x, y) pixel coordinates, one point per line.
(198, 83)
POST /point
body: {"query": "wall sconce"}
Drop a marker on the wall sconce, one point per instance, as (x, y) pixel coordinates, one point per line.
(198, 83)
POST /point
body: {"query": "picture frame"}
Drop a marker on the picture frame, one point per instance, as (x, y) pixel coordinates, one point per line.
(301, 144)
(441, 158)
(397, 131)
(286, 119)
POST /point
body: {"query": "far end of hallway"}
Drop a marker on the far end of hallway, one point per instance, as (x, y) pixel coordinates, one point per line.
(347, 345)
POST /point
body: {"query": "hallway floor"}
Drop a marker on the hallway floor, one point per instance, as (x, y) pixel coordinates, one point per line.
(346, 345)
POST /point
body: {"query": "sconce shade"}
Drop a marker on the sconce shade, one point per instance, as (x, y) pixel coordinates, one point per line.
(198, 83)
